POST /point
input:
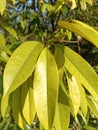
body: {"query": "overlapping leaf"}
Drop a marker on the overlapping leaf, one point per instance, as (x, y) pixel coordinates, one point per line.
(85, 74)
(81, 29)
(62, 116)
(83, 99)
(2, 6)
(93, 105)
(74, 93)
(46, 82)
(12, 32)
(16, 108)
(19, 67)
(27, 101)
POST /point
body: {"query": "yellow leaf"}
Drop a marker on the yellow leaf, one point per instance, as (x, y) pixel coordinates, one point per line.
(27, 101)
(13, 1)
(46, 83)
(2, 6)
(81, 29)
(12, 32)
(74, 93)
(16, 108)
(2, 39)
(73, 4)
(83, 103)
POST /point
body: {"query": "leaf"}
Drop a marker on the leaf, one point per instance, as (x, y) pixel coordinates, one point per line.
(46, 82)
(16, 108)
(27, 101)
(24, 1)
(89, 128)
(12, 32)
(62, 116)
(19, 67)
(2, 6)
(4, 48)
(23, 23)
(83, 103)
(13, 1)
(89, 2)
(59, 56)
(83, 4)
(73, 4)
(93, 105)
(79, 68)
(2, 39)
(74, 92)
(81, 29)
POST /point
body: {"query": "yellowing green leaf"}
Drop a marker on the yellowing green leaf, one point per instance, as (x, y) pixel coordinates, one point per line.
(73, 4)
(93, 105)
(22, 1)
(83, 103)
(23, 23)
(74, 93)
(12, 32)
(2, 39)
(46, 82)
(59, 56)
(81, 29)
(83, 4)
(2, 6)
(16, 108)
(89, 1)
(79, 68)
(62, 115)
(27, 101)
(21, 65)
(13, 1)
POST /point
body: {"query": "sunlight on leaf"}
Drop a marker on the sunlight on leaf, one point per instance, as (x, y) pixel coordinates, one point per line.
(81, 29)
(82, 70)
(74, 93)
(46, 82)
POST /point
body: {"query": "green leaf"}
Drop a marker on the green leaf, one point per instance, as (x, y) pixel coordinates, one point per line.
(74, 93)
(59, 56)
(21, 65)
(62, 116)
(16, 107)
(83, 103)
(79, 68)
(46, 82)
(13, 1)
(93, 105)
(73, 4)
(27, 101)
(2, 6)
(89, 128)
(81, 29)
(12, 32)
(89, 2)
(2, 39)
(83, 4)
(5, 49)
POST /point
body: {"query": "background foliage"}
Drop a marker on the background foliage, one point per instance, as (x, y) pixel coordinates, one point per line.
(41, 33)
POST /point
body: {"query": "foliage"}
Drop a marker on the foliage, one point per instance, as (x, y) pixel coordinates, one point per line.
(45, 83)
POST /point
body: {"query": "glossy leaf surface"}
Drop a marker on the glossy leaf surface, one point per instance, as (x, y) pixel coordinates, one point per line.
(46, 82)
(62, 116)
(85, 74)
(81, 29)
(74, 93)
